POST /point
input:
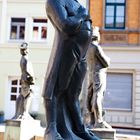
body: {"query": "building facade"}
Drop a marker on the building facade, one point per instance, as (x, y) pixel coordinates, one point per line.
(119, 22)
(23, 21)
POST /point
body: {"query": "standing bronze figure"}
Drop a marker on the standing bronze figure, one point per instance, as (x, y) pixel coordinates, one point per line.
(97, 65)
(66, 71)
(27, 83)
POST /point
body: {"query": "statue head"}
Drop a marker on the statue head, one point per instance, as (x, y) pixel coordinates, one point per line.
(95, 34)
(24, 48)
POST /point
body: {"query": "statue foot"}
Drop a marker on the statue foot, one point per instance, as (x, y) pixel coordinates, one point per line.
(22, 117)
(103, 124)
(51, 133)
(52, 136)
(16, 117)
(26, 116)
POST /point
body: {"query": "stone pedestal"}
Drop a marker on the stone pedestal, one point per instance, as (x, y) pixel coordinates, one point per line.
(103, 133)
(1, 135)
(38, 138)
(21, 129)
(2, 130)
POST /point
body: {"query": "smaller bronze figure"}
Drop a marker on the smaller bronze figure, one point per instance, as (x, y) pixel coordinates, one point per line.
(97, 64)
(27, 83)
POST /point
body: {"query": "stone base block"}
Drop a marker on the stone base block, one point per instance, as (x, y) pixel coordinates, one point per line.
(21, 129)
(104, 133)
(38, 138)
(1, 135)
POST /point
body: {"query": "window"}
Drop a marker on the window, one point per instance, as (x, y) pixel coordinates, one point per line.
(118, 95)
(115, 14)
(39, 31)
(15, 87)
(17, 29)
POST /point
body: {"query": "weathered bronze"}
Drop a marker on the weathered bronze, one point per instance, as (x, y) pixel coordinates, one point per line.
(97, 67)
(66, 71)
(27, 82)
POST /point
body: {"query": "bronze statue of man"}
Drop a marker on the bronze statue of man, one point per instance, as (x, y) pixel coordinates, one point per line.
(27, 83)
(97, 67)
(66, 70)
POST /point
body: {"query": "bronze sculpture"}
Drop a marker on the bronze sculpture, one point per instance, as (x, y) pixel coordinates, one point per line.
(66, 71)
(97, 64)
(27, 83)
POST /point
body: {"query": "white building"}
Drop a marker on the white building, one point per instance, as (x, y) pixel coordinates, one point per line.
(23, 20)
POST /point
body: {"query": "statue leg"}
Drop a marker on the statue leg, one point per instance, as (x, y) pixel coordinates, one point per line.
(50, 110)
(98, 111)
(72, 94)
(92, 118)
(23, 101)
(67, 64)
(97, 101)
(89, 105)
(27, 103)
(97, 98)
(97, 107)
(19, 107)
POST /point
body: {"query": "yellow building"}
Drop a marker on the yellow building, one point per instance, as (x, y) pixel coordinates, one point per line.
(119, 22)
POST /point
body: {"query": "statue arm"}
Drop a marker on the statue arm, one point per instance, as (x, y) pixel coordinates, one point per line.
(70, 24)
(102, 56)
(29, 72)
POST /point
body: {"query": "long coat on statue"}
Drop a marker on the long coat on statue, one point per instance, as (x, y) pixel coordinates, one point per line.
(67, 66)
(67, 21)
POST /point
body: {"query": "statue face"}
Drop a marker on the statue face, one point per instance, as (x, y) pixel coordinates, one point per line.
(24, 51)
